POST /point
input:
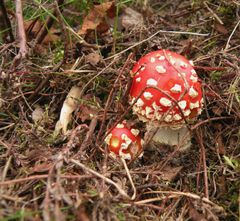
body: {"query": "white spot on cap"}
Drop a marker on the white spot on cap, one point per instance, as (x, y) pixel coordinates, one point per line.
(135, 132)
(193, 72)
(172, 60)
(151, 82)
(152, 59)
(176, 88)
(168, 118)
(120, 126)
(199, 111)
(132, 100)
(160, 69)
(165, 102)
(194, 105)
(186, 113)
(139, 102)
(183, 64)
(161, 58)
(138, 79)
(143, 112)
(126, 139)
(124, 146)
(148, 110)
(193, 78)
(147, 95)
(137, 73)
(192, 92)
(191, 62)
(177, 117)
(155, 106)
(158, 115)
(107, 139)
(142, 68)
(182, 104)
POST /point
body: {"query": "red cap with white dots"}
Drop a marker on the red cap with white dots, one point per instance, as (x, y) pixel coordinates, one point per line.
(170, 84)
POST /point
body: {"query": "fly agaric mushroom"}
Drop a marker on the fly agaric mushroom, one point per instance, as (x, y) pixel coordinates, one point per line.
(124, 142)
(168, 95)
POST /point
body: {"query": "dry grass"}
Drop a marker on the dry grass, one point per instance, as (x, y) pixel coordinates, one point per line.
(71, 177)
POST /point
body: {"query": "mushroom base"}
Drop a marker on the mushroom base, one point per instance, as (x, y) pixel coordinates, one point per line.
(180, 138)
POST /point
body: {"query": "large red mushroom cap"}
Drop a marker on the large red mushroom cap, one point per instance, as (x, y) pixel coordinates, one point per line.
(124, 142)
(178, 88)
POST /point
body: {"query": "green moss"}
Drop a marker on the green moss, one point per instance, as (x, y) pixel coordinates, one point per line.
(215, 75)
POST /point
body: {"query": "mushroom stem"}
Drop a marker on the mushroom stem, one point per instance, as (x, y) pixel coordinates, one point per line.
(178, 137)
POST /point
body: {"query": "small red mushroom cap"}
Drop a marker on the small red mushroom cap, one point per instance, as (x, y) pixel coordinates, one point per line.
(124, 142)
(178, 88)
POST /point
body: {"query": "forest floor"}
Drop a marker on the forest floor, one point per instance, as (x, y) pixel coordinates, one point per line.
(52, 172)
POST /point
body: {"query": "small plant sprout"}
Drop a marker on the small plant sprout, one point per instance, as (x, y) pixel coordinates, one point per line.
(166, 94)
(125, 143)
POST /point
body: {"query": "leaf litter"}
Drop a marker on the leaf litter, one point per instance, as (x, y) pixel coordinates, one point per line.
(60, 169)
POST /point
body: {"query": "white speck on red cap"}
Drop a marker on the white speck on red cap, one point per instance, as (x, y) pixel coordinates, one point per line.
(135, 132)
(139, 102)
(161, 58)
(148, 110)
(177, 88)
(165, 102)
(186, 113)
(168, 118)
(182, 104)
(120, 126)
(160, 69)
(138, 79)
(194, 105)
(193, 78)
(152, 59)
(192, 92)
(177, 117)
(108, 138)
(147, 95)
(151, 82)
(183, 64)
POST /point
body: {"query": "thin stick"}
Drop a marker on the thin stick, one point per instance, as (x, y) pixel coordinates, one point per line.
(21, 31)
(229, 39)
(203, 155)
(176, 193)
(43, 176)
(156, 33)
(130, 179)
(107, 180)
(213, 13)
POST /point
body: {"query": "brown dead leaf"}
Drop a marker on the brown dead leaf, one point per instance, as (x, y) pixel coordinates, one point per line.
(33, 27)
(43, 167)
(170, 173)
(96, 19)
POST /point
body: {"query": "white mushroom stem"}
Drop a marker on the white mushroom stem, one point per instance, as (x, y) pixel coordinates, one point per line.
(178, 137)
